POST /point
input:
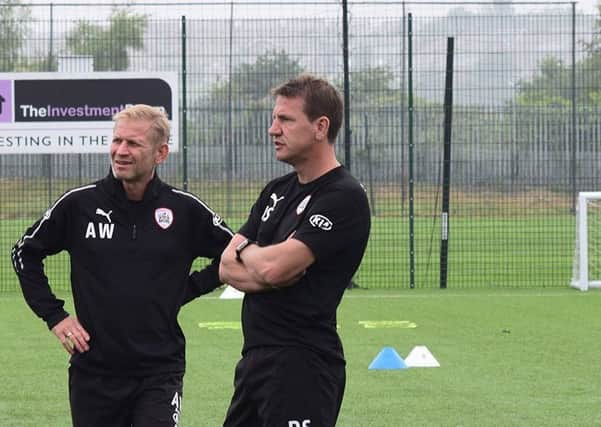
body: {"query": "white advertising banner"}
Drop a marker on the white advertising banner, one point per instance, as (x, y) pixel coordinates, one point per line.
(44, 113)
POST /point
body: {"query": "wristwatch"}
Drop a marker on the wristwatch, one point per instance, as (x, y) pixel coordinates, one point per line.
(242, 246)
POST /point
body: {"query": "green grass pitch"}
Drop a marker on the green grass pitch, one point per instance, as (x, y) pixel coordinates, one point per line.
(509, 357)
(483, 253)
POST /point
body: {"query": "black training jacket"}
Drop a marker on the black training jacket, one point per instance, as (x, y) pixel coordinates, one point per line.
(130, 271)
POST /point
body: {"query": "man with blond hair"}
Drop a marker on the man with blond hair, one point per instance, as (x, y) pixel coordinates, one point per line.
(131, 239)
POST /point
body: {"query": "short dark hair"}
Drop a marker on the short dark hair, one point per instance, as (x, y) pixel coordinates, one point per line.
(321, 99)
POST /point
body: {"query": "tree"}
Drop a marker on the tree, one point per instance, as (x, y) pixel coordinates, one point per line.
(552, 85)
(13, 32)
(249, 85)
(591, 65)
(243, 100)
(548, 87)
(594, 47)
(373, 87)
(109, 45)
(251, 82)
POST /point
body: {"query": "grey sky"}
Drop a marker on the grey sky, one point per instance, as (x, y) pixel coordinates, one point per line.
(271, 9)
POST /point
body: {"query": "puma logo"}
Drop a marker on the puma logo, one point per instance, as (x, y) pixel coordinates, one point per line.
(105, 214)
(269, 209)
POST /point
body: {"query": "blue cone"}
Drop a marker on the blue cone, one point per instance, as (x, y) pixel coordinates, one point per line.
(388, 358)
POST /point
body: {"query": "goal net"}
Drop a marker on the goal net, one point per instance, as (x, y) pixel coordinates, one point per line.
(587, 253)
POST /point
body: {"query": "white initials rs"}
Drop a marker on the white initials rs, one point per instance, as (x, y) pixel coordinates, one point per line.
(303, 423)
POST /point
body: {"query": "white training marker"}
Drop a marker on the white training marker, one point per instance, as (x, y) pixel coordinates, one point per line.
(420, 357)
(231, 293)
(219, 325)
(377, 324)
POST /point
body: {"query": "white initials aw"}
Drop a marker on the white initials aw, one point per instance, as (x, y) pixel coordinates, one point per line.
(104, 231)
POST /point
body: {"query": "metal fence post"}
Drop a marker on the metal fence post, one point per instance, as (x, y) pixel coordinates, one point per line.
(347, 97)
(410, 154)
(184, 139)
(573, 139)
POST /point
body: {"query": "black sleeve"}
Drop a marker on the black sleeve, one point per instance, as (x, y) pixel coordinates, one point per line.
(336, 220)
(46, 237)
(211, 236)
(202, 282)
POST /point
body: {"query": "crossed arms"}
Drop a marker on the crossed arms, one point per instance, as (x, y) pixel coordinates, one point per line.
(264, 267)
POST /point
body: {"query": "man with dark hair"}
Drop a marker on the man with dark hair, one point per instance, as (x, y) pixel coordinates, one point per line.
(294, 257)
(131, 240)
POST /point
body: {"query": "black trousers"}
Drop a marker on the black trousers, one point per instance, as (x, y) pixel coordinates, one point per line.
(288, 387)
(102, 401)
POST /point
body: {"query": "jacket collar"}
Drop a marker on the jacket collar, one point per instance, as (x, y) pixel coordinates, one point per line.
(114, 187)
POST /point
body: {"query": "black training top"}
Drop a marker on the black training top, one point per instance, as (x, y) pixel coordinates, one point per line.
(331, 216)
(130, 271)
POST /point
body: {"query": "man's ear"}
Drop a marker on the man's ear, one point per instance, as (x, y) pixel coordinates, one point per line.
(322, 125)
(161, 154)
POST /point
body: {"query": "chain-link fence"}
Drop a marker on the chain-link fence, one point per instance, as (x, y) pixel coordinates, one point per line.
(525, 132)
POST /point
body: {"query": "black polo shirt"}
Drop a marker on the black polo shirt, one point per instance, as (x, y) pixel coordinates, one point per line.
(331, 216)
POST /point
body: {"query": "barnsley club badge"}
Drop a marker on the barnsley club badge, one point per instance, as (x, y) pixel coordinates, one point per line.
(303, 205)
(163, 217)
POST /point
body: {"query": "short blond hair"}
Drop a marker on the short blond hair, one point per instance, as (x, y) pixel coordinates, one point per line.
(160, 128)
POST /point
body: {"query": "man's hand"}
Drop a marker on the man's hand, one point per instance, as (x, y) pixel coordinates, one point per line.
(72, 335)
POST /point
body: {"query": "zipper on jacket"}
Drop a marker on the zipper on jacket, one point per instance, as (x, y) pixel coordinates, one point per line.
(133, 232)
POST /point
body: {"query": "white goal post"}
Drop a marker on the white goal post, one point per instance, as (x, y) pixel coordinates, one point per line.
(587, 251)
